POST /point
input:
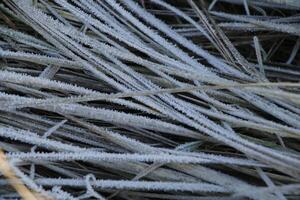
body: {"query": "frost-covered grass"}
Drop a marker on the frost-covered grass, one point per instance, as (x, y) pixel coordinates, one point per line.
(128, 99)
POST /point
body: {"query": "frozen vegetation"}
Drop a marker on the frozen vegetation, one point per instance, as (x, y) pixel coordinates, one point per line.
(150, 99)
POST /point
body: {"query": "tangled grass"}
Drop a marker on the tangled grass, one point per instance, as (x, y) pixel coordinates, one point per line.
(124, 99)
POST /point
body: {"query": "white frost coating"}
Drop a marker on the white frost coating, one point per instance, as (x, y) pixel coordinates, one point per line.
(114, 157)
(123, 50)
(33, 138)
(135, 185)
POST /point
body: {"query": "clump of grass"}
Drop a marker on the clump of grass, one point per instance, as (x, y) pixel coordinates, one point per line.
(150, 99)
